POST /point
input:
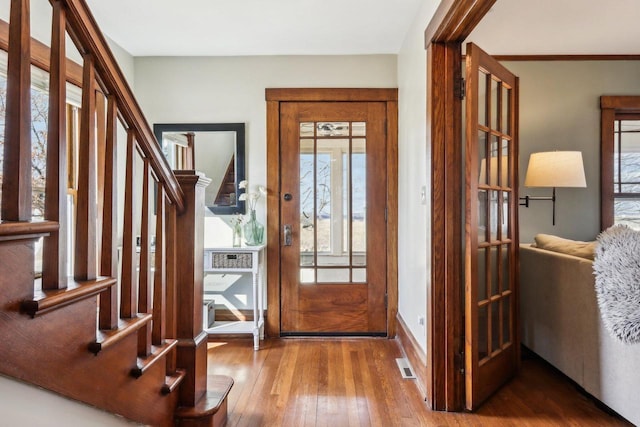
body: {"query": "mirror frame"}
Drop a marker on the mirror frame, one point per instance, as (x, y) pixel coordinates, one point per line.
(239, 129)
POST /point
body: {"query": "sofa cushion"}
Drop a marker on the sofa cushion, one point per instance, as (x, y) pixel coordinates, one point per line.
(566, 246)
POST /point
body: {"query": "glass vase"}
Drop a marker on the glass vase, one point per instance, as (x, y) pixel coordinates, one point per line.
(253, 231)
(237, 235)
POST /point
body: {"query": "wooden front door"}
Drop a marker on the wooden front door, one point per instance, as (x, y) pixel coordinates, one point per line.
(333, 205)
(491, 266)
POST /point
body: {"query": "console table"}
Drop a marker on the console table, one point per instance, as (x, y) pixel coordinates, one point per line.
(245, 259)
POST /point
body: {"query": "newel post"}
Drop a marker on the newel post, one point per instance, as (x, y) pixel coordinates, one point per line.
(192, 340)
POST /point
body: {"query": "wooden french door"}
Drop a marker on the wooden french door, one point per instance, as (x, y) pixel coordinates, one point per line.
(333, 218)
(491, 265)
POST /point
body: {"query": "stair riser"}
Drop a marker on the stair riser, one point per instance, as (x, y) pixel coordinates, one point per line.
(37, 351)
(51, 350)
(16, 273)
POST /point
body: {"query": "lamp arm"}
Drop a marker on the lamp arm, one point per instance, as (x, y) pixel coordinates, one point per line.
(524, 201)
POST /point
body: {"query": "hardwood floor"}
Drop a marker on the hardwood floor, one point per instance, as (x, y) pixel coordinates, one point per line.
(356, 382)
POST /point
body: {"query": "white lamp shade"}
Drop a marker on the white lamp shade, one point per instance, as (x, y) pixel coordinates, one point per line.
(555, 169)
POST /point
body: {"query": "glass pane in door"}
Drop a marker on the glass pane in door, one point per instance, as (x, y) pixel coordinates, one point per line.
(483, 332)
(333, 275)
(482, 158)
(482, 216)
(506, 267)
(504, 164)
(494, 270)
(506, 110)
(483, 80)
(494, 205)
(333, 202)
(495, 326)
(359, 201)
(330, 202)
(482, 274)
(333, 129)
(323, 202)
(506, 320)
(504, 229)
(495, 106)
(307, 206)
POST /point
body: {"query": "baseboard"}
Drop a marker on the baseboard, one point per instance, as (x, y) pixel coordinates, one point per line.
(223, 314)
(413, 353)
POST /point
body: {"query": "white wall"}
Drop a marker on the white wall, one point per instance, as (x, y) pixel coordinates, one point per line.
(124, 60)
(560, 110)
(232, 89)
(26, 405)
(414, 174)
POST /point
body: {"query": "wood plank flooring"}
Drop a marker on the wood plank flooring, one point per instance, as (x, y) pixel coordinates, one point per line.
(356, 382)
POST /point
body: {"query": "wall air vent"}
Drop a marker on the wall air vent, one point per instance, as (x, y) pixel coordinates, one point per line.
(405, 368)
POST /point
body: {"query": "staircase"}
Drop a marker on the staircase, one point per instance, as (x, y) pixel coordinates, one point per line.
(124, 332)
(227, 186)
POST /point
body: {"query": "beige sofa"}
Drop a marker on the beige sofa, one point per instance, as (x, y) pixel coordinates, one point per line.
(561, 322)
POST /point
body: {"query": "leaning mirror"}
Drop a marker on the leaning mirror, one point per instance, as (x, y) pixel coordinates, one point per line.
(217, 149)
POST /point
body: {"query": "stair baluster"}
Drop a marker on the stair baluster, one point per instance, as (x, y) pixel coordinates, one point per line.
(85, 263)
(54, 261)
(16, 185)
(144, 278)
(160, 281)
(171, 321)
(108, 317)
(128, 293)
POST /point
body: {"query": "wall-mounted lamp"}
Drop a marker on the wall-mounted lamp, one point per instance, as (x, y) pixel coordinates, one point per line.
(554, 169)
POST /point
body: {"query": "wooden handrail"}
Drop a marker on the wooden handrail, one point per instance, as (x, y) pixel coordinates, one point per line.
(84, 30)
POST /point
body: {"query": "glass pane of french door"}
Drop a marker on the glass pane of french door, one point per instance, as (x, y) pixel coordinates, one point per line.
(333, 194)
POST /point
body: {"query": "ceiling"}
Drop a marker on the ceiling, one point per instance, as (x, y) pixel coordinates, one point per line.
(256, 27)
(341, 27)
(572, 27)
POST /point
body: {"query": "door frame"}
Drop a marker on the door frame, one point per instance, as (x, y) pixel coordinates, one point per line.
(274, 96)
(452, 22)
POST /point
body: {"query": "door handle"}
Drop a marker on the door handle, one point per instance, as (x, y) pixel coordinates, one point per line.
(288, 238)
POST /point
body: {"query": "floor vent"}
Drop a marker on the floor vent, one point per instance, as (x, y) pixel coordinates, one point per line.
(405, 368)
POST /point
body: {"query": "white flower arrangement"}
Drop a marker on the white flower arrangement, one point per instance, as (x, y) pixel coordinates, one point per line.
(237, 220)
(251, 197)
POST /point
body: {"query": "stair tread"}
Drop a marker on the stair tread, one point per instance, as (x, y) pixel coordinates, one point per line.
(172, 382)
(107, 338)
(48, 300)
(218, 387)
(157, 353)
